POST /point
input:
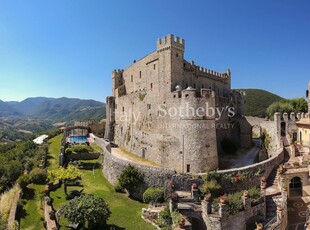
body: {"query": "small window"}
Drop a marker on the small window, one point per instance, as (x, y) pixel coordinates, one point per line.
(121, 130)
(148, 106)
(195, 86)
(154, 66)
(188, 168)
(123, 109)
(186, 85)
(131, 78)
(177, 55)
(140, 74)
(202, 86)
(151, 85)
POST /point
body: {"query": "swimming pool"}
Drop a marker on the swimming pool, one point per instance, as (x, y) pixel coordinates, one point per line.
(78, 139)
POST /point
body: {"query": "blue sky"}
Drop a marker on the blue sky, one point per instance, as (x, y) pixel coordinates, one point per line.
(70, 48)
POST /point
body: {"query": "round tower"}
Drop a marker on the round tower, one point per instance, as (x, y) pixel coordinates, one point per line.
(198, 134)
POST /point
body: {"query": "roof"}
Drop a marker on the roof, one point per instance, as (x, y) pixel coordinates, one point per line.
(303, 121)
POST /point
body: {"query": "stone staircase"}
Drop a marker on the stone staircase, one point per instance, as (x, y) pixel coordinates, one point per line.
(271, 207)
(272, 183)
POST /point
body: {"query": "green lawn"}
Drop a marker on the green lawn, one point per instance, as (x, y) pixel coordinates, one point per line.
(126, 213)
(54, 150)
(31, 214)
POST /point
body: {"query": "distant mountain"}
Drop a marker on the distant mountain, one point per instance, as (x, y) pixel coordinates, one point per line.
(7, 110)
(56, 109)
(29, 105)
(258, 101)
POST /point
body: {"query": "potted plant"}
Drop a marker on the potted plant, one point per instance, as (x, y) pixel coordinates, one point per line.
(246, 193)
(235, 178)
(295, 163)
(223, 199)
(207, 197)
(259, 226)
(279, 208)
(263, 185)
(263, 179)
(284, 188)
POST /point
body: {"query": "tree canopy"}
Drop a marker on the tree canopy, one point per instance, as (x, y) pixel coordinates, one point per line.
(71, 173)
(295, 105)
(86, 210)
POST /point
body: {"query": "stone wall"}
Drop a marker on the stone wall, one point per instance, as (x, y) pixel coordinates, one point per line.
(158, 177)
(13, 210)
(152, 176)
(222, 220)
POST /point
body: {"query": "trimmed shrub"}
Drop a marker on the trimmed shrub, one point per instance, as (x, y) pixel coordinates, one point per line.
(130, 178)
(23, 181)
(38, 176)
(154, 195)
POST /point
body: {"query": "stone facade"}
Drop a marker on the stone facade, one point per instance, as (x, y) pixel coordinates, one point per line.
(161, 109)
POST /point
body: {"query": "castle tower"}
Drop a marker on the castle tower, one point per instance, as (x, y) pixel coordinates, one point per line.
(171, 59)
(198, 132)
(117, 80)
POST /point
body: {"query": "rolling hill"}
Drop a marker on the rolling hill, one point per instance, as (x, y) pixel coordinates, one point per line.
(258, 101)
(55, 109)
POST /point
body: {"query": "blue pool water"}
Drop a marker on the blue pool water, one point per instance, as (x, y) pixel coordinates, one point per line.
(78, 139)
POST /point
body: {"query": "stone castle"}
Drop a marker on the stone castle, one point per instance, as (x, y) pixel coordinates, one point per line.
(173, 112)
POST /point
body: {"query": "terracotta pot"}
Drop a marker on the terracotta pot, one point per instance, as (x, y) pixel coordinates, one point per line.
(223, 199)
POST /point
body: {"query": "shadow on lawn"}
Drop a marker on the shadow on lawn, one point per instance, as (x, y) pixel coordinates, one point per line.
(48, 159)
(90, 166)
(28, 194)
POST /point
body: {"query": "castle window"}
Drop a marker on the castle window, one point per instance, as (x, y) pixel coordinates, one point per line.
(184, 64)
(140, 74)
(177, 55)
(121, 130)
(186, 85)
(123, 109)
(131, 78)
(188, 168)
(174, 96)
(151, 85)
(186, 95)
(195, 86)
(202, 86)
(154, 66)
(148, 106)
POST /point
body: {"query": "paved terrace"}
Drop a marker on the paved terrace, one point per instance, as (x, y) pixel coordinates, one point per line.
(128, 156)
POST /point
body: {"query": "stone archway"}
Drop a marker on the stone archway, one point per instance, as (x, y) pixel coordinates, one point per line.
(295, 186)
(256, 131)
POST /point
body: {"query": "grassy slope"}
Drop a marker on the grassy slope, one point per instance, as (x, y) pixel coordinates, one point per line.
(258, 101)
(125, 212)
(31, 214)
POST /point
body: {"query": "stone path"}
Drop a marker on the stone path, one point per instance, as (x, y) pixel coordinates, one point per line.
(119, 153)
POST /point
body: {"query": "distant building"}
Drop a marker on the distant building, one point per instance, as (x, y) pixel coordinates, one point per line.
(39, 140)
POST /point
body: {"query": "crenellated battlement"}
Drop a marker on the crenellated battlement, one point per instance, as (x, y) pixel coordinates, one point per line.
(170, 40)
(204, 71)
(292, 116)
(117, 71)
